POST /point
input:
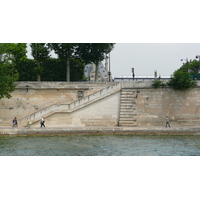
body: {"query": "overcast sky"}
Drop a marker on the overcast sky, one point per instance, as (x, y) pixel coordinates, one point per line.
(145, 58)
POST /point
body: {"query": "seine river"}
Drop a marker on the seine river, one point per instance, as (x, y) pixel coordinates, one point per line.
(100, 145)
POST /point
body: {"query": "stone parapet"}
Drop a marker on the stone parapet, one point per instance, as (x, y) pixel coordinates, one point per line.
(156, 130)
(61, 85)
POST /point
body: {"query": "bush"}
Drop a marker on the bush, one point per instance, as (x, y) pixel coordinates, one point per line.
(181, 80)
(53, 70)
(158, 83)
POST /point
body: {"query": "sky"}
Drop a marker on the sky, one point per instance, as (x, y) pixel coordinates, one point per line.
(145, 58)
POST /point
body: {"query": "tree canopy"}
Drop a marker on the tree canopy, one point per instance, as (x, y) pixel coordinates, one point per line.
(8, 75)
(94, 53)
(65, 51)
(181, 78)
(40, 52)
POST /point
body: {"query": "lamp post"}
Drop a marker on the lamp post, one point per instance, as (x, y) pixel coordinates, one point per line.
(198, 57)
(155, 74)
(27, 86)
(109, 73)
(133, 73)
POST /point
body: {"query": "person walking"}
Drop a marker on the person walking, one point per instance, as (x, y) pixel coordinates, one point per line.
(28, 122)
(42, 122)
(167, 122)
(15, 122)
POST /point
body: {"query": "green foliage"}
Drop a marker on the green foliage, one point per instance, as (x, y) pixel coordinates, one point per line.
(181, 80)
(54, 70)
(7, 79)
(94, 53)
(65, 51)
(10, 55)
(26, 70)
(40, 52)
(158, 83)
(17, 52)
(191, 67)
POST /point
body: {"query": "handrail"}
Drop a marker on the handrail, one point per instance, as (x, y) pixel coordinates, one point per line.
(74, 105)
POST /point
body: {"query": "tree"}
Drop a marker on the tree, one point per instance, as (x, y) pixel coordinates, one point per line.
(191, 66)
(26, 70)
(181, 80)
(17, 52)
(65, 51)
(7, 75)
(40, 52)
(94, 52)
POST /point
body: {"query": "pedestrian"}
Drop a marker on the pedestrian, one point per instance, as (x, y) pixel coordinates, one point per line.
(28, 123)
(15, 122)
(167, 122)
(42, 122)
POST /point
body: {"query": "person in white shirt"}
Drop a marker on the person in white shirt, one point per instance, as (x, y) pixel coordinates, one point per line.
(42, 122)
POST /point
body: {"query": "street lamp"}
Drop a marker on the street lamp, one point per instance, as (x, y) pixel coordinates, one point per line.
(155, 74)
(133, 73)
(198, 57)
(109, 73)
(27, 86)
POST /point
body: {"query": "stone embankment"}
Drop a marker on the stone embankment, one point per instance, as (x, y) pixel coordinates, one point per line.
(101, 131)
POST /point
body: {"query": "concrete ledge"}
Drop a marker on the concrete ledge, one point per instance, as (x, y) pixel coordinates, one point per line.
(101, 130)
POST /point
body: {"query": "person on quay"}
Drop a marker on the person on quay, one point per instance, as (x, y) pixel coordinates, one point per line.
(42, 122)
(14, 122)
(167, 122)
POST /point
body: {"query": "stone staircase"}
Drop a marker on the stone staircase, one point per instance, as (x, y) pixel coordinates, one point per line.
(68, 108)
(127, 115)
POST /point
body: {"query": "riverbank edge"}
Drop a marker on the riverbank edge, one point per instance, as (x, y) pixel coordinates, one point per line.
(101, 131)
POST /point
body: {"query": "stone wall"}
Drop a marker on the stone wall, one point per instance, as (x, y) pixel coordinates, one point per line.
(182, 107)
(40, 95)
(152, 105)
(101, 113)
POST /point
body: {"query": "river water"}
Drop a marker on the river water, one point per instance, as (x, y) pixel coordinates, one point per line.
(100, 145)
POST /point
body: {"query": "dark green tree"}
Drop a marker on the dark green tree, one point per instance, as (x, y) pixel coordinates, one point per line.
(191, 67)
(181, 80)
(65, 51)
(17, 52)
(7, 79)
(55, 70)
(40, 52)
(7, 74)
(26, 70)
(94, 53)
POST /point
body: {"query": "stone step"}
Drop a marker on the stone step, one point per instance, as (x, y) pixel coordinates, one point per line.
(123, 114)
(127, 109)
(127, 120)
(127, 96)
(126, 101)
(128, 125)
(127, 93)
(126, 106)
(128, 90)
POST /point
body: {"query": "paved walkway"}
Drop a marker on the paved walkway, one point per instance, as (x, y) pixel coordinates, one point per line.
(101, 130)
